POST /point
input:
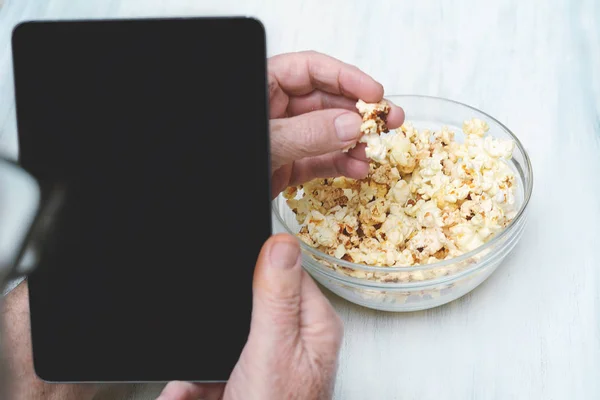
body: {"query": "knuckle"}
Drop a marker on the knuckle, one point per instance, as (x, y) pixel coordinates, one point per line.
(312, 135)
(275, 126)
(273, 85)
(311, 53)
(282, 305)
(324, 101)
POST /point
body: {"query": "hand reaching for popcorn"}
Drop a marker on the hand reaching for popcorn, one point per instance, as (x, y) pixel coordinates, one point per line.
(313, 105)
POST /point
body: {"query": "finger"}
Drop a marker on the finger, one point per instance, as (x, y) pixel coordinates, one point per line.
(328, 166)
(318, 100)
(302, 72)
(278, 99)
(276, 294)
(280, 180)
(396, 116)
(177, 390)
(325, 166)
(358, 152)
(316, 133)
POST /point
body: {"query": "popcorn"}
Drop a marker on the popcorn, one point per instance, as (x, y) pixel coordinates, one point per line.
(402, 152)
(400, 192)
(426, 198)
(374, 117)
(385, 174)
(475, 127)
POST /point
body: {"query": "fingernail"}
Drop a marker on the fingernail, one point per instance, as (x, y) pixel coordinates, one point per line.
(284, 254)
(347, 126)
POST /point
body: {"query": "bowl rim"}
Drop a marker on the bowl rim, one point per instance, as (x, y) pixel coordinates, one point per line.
(444, 263)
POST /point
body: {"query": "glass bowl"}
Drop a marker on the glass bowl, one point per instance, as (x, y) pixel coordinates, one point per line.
(425, 286)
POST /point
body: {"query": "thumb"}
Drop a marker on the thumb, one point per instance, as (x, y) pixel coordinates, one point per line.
(277, 289)
(312, 134)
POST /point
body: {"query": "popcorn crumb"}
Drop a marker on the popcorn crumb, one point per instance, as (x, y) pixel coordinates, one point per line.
(426, 198)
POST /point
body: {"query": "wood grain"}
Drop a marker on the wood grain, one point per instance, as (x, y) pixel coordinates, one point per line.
(532, 331)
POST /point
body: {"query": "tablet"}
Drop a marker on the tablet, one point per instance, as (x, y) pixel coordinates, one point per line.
(153, 133)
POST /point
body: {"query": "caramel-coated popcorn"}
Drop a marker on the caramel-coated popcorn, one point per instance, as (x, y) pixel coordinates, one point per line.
(426, 198)
(374, 117)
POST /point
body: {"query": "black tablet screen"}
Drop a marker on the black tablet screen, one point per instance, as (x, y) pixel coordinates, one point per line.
(156, 131)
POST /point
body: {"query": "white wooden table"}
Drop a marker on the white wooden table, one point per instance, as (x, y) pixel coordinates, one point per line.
(532, 331)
